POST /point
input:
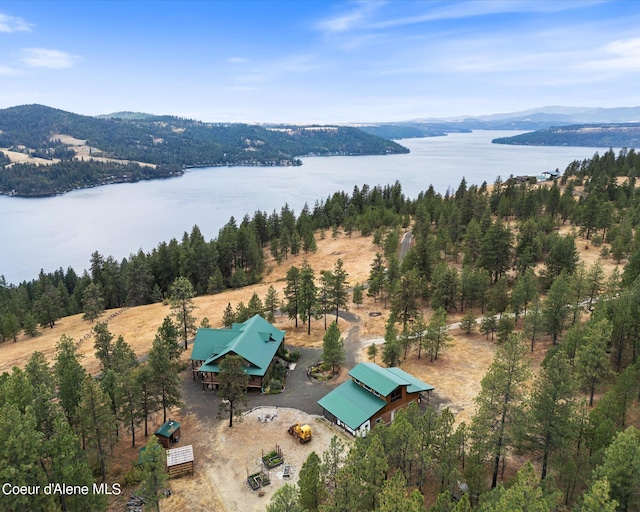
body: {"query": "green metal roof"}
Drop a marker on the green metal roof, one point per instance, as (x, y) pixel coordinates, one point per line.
(415, 385)
(377, 378)
(168, 428)
(255, 340)
(352, 404)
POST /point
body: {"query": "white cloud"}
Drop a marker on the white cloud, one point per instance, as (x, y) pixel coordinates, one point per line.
(45, 58)
(621, 55)
(10, 24)
(6, 71)
(237, 60)
(348, 20)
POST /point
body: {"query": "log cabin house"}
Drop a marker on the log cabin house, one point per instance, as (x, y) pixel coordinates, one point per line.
(255, 340)
(372, 397)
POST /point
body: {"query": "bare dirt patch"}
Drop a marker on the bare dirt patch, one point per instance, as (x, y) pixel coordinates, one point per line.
(226, 456)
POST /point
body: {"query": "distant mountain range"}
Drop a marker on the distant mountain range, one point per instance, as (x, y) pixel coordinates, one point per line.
(549, 126)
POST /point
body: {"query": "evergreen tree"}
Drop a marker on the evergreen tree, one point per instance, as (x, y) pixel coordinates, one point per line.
(499, 403)
(468, 322)
(254, 306)
(181, 295)
(437, 333)
(70, 375)
(168, 335)
(339, 288)
(592, 360)
(357, 294)
(404, 303)
(390, 348)
(30, 325)
(285, 499)
(312, 491)
(154, 474)
(271, 301)
(333, 353)
(228, 317)
(547, 426)
(372, 352)
(555, 311)
(233, 384)
(292, 293)
(308, 294)
(165, 379)
(97, 422)
(621, 467)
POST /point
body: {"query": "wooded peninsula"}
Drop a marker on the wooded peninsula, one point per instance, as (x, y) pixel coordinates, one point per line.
(45, 151)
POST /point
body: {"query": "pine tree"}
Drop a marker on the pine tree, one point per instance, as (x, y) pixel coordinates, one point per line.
(308, 297)
(499, 403)
(271, 301)
(390, 347)
(285, 499)
(164, 377)
(255, 306)
(92, 302)
(233, 384)
(168, 334)
(181, 295)
(97, 422)
(154, 473)
(592, 360)
(312, 491)
(621, 467)
(292, 293)
(339, 285)
(438, 333)
(70, 375)
(547, 426)
(357, 294)
(372, 352)
(228, 317)
(468, 322)
(333, 353)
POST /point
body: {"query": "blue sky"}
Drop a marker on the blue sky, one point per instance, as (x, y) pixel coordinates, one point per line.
(319, 61)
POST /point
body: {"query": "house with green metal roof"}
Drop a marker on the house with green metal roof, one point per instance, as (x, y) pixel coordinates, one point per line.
(255, 340)
(372, 396)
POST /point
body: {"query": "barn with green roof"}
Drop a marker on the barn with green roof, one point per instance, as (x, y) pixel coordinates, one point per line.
(372, 396)
(255, 340)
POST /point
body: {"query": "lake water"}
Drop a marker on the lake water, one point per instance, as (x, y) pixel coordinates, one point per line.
(52, 232)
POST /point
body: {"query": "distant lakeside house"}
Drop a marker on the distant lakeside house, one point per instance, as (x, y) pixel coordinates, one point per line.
(372, 397)
(255, 340)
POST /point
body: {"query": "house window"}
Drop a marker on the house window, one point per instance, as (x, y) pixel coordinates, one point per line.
(396, 394)
(379, 421)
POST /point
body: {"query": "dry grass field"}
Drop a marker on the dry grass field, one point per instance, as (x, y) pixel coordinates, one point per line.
(225, 455)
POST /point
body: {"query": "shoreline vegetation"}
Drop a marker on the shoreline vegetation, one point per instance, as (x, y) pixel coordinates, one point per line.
(45, 151)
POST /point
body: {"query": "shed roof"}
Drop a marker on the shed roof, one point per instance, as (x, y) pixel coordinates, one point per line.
(168, 428)
(352, 404)
(180, 455)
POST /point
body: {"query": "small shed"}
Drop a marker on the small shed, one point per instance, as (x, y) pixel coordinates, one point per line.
(180, 460)
(169, 433)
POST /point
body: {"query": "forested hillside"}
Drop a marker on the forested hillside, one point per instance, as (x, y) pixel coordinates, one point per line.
(591, 135)
(169, 144)
(506, 256)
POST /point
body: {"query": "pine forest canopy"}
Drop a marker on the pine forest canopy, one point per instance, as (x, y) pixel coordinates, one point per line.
(145, 147)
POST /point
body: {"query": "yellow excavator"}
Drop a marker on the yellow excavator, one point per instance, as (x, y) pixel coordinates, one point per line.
(302, 432)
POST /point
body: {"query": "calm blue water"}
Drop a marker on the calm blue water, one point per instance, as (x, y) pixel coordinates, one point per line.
(48, 233)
